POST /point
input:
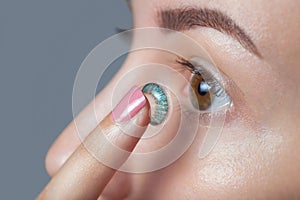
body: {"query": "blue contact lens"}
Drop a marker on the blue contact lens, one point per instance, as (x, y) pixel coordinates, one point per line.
(161, 101)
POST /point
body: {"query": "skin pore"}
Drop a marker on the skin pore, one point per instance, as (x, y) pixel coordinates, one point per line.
(256, 156)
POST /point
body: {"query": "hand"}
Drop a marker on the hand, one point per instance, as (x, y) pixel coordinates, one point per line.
(83, 176)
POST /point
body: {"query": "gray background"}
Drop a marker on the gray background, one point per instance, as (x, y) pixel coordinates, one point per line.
(42, 44)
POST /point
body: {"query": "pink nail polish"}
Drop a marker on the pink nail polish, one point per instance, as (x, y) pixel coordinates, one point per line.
(129, 106)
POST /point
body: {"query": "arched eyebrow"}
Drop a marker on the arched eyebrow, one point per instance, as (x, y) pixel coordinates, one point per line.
(182, 19)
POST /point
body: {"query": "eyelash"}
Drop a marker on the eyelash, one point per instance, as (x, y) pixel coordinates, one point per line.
(209, 78)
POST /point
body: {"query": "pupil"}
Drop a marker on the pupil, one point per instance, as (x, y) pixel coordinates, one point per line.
(203, 88)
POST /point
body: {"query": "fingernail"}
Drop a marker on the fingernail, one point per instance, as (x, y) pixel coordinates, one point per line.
(129, 106)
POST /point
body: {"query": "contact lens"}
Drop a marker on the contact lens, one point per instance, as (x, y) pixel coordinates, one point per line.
(161, 102)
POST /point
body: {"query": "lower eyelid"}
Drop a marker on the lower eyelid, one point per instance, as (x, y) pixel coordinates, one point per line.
(204, 118)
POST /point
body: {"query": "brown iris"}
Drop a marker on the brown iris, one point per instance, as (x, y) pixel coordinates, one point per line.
(200, 90)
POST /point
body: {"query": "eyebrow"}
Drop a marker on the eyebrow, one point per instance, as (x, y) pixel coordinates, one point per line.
(182, 19)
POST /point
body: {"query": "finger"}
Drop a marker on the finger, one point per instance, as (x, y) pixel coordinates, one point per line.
(83, 176)
(68, 141)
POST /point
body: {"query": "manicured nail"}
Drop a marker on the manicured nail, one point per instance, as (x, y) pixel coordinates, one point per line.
(129, 106)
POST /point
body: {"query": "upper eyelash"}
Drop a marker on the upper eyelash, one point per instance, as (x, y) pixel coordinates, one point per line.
(189, 66)
(185, 63)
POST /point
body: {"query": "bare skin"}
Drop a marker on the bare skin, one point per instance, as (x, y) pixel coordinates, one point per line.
(257, 156)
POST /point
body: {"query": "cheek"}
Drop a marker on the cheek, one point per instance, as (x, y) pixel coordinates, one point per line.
(243, 163)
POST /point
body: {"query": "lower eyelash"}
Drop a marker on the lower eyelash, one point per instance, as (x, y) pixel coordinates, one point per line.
(202, 117)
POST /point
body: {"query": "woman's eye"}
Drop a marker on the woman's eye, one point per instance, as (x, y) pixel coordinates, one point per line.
(206, 93)
(200, 92)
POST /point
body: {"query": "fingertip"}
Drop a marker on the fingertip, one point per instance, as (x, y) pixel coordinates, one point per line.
(54, 160)
(144, 116)
(48, 165)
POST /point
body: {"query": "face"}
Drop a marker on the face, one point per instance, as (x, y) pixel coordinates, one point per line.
(256, 155)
